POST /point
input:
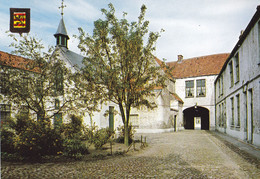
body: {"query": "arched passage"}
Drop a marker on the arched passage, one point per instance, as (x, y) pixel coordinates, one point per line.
(196, 117)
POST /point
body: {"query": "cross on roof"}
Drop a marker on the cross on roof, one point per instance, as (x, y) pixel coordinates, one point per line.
(62, 7)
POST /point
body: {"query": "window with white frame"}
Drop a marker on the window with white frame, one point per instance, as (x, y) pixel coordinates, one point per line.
(237, 67)
(232, 111)
(238, 110)
(201, 88)
(189, 88)
(231, 74)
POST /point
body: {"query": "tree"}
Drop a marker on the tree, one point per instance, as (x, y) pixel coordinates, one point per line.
(120, 62)
(39, 81)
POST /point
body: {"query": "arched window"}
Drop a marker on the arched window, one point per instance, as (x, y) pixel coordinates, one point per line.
(59, 82)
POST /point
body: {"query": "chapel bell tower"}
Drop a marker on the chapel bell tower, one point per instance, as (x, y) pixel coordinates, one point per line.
(61, 35)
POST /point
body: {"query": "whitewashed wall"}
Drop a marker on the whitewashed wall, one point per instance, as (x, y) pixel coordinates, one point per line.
(249, 63)
(206, 102)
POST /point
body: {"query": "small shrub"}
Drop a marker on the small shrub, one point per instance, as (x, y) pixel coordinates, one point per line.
(101, 137)
(74, 144)
(75, 126)
(7, 140)
(37, 140)
(74, 147)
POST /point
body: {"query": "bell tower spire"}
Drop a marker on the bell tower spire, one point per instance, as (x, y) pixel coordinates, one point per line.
(61, 34)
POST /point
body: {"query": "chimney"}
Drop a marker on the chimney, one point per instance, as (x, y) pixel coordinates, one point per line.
(180, 58)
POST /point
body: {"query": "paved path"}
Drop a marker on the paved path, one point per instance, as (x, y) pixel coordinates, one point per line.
(185, 154)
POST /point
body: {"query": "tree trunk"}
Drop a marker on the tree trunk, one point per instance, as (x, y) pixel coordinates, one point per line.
(125, 122)
(126, 137)
(126, 141)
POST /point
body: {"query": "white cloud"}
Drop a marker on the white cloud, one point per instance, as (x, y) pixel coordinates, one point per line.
(192, 28)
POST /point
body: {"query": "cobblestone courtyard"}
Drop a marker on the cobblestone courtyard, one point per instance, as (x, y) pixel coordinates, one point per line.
(185, 154)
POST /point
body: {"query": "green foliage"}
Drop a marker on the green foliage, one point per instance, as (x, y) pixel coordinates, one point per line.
(30, 139)
(75, 140)
(75, 126)
(74, 147)
(7, 140)
(121, 134)
(42, 77)
(37, 139)
(119, 61)
(101, 137)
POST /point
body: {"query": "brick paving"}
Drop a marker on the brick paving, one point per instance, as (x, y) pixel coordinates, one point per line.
(185, 154)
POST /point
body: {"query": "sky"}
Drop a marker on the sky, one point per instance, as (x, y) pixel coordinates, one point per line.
(193, 28)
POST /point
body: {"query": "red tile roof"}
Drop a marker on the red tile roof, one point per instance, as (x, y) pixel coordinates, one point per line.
(198, 66)
(15, 61)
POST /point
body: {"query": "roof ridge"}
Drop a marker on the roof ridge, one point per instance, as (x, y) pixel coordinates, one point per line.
(199, 57)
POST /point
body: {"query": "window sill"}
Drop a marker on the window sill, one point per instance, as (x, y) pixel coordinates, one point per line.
(201, 96)
(189, 97)
(237, 128)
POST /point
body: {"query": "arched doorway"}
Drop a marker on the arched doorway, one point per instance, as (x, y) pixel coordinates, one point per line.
(196, 118)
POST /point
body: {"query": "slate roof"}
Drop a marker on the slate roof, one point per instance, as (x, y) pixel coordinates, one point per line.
(15, 61)
(61, 29)
(198, 66)
(73, 58)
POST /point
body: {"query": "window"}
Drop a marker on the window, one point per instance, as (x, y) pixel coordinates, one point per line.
(238, 110)
(223, 115)
(5, 113)
(57, 119)
(231, 74)
(57, 104)
(222, 85)
(24, 110)
(237, 67)
(201, 88)
(25, 84)
(59, 41)
(259, 42)
(220, 116)
(4, 78)
(232, 111)
(219, 87)
(59, 82)
(39, 88)
(189, 88)
(134, 120)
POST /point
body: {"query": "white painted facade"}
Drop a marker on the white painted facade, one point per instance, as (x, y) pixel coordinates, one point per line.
(238, 102)
(160, 119)
(206, 101)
